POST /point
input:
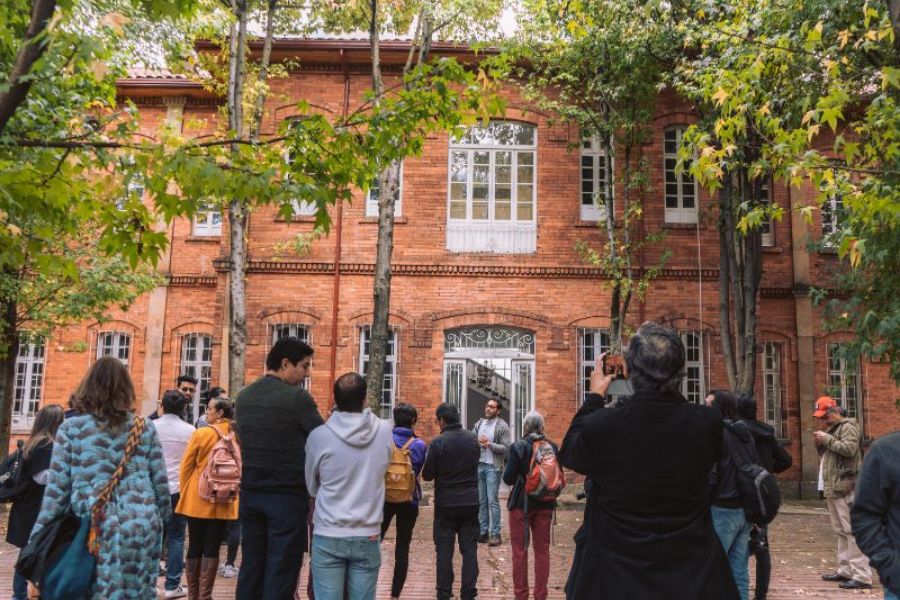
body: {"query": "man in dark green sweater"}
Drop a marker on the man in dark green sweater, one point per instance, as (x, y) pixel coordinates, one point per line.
(273, 418)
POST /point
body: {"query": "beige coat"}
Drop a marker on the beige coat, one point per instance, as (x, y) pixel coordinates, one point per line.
(842, 459)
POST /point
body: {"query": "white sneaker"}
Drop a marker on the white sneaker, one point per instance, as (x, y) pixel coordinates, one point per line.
(229, 572)
(178, 592)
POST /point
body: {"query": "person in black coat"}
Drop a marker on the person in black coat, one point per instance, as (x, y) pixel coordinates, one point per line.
(649, 530)
(772, 456)
(38, 450)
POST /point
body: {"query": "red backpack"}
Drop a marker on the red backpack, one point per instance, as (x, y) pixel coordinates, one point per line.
(545, 479)
(220, 481)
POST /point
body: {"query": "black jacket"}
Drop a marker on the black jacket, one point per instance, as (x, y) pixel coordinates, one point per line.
(737, 446)
(517, 464)
(452, 463)
(875, 514)
(771, 455)
(24, 511)
(649, 529)
(273, 420)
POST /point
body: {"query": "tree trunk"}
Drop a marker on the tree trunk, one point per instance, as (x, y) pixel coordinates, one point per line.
(10, 340)
(616, 318)
(33, 48)
(238, 213)
(725, 261)
(262, 78)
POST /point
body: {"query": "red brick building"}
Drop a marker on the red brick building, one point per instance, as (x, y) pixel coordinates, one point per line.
(489, 294)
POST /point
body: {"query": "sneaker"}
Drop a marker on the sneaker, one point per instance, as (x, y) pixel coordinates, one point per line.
(229, 572)
(162, 568)
(854, 584)
(178, 592)
(495, 540)
(834, 577)
(483, 538)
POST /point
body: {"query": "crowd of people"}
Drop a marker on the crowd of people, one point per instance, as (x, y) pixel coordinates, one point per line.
(665, 514)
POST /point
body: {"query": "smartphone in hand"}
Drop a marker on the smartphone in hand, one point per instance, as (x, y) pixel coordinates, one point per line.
(613, 364)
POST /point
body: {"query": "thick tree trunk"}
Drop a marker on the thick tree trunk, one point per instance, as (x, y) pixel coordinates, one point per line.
(33, 48)
(238, 213)
(10, 339)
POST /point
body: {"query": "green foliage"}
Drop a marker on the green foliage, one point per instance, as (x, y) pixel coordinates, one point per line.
(814, 85)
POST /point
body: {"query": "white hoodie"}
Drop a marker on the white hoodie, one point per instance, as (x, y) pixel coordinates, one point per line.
(345, 465)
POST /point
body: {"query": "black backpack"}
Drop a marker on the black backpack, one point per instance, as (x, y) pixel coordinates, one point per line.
(760, 495)
(13, 482)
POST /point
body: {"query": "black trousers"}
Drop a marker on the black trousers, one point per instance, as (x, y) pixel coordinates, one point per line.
(759, 547)
(273, 540)
(451, 524)
(205, 537)
(406, 514)
(233, 541)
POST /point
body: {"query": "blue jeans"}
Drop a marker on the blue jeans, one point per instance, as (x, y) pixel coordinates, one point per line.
(488, 497)
(733, 530)
(889, 595)
(20, 587)
(175, 547)
(338, 562)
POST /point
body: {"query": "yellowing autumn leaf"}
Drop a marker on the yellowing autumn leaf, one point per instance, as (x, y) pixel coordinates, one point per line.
(99, 69)
(764, 110)
(115, 21)
(720, 96)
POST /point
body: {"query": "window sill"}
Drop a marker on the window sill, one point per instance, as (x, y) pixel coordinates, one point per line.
(666, 225)
(783, 441)
(297, 219)
(374, 221)
(582, 224)
(828, 251)
(204, 239)
(772, 250)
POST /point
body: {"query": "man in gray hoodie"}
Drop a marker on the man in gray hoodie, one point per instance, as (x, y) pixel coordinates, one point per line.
(345, 465)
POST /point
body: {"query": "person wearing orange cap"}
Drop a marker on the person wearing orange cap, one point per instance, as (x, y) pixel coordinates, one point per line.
(840, 465)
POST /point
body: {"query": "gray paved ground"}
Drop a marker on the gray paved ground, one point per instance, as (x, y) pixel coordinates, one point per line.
(803, 547)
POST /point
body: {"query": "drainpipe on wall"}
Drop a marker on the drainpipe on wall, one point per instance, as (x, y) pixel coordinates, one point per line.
(338, 229)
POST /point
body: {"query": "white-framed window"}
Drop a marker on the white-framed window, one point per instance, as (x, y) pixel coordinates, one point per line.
(832, 220)
(389, 390)
(491, 204)
(843, 381)
(196, 361)
(372, 197)
(767, 228)
(301, 332)
(591, 344)
(773, 390)
(693, 387)
(680, 188)
(596, 167)
(114, 343)
(29, 384)
(207, 222)
(302, 208)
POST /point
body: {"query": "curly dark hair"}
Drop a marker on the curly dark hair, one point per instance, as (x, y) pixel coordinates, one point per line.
(107, 393)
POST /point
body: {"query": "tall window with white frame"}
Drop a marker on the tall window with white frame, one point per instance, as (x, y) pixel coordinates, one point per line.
(843, 381)
(832, 220)
(372, 198)
(389, 393)
(491, 204)
(29, 384)
(773, 391)
(680, 187)
(767, 227)
(207, 222)
(591, 344)
(302, 208)
(693, 387)
(196, 361)
(116, 344)
(596, 167)
(301, 332)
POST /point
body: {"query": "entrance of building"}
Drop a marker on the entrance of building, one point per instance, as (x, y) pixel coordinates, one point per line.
(490, 361)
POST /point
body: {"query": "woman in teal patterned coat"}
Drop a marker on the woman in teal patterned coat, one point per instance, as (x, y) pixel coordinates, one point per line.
(87, 451)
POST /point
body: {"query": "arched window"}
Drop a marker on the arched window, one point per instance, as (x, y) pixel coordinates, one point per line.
(491, 203)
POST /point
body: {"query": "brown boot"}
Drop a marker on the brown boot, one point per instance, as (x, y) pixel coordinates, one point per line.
(209, 568)
(192, 573)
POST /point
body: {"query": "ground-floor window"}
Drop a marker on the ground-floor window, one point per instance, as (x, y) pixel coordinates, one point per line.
(29, 384)
(693, 387)
(591, 344)
(773, 392)
(843, 380)
(114, 343)
(301, 332)
(196, 361)
(389, 389)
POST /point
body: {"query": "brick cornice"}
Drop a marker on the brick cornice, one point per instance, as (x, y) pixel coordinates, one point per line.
(192, 280)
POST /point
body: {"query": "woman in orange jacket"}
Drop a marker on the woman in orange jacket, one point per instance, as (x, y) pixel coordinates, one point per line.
(206, 519)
